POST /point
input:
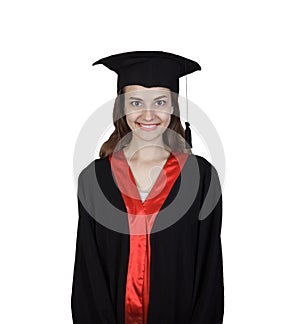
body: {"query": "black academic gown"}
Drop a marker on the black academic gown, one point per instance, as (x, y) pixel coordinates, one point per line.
(186, 272)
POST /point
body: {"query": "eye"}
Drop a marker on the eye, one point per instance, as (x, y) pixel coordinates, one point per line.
(136, 103)
(161, 102)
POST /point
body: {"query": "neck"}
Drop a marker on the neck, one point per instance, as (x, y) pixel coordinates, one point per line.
(146, 151)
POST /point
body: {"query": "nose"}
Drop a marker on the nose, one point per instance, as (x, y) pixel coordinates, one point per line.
(148, 113)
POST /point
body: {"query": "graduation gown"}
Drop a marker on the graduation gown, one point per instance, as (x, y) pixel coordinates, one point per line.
(170, 270)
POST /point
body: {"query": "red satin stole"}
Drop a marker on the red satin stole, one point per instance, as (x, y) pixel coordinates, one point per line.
(141, 217)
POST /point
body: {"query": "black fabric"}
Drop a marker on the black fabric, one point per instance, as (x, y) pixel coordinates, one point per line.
(149, 68)
(186, 269)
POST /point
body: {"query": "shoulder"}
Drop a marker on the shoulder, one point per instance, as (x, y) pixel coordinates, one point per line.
(209, 177)
(210, 189)
(205, 166)
(91, 171)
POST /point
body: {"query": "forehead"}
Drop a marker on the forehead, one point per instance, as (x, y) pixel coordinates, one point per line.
(145, 92)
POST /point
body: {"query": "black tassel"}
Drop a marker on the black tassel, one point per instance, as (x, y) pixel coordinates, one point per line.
(188, 135)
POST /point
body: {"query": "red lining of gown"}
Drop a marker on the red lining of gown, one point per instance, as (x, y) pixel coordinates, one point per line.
(141, 217)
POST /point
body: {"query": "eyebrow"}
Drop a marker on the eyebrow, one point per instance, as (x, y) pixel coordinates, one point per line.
(163, 96)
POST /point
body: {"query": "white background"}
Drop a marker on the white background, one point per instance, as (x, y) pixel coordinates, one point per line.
(249, 88)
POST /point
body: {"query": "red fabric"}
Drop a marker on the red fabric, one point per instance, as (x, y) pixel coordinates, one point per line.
(141, 217)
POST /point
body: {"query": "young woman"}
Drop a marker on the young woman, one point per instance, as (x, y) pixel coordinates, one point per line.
(148, 244)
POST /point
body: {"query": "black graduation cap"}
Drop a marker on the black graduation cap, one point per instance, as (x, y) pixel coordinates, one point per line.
(151, 69)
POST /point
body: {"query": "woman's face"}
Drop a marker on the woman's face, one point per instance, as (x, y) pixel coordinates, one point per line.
(148, 110)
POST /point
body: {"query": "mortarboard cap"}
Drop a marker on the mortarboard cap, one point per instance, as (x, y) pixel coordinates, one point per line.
(151, 69)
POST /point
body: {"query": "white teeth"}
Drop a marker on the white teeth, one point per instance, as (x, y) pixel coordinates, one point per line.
(148, 126)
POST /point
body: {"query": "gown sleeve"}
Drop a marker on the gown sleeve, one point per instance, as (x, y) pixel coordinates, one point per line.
(90, 300)
(209, 305)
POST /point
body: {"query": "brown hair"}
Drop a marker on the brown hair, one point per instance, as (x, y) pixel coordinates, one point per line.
(118, 138)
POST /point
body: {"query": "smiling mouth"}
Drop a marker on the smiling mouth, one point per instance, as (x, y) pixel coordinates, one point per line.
(147, 126)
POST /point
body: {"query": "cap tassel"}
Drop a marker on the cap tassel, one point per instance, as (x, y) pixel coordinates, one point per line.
(187, 132)
(188, 135)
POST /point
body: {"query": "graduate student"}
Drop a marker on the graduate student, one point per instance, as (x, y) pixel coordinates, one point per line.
(148, 247)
